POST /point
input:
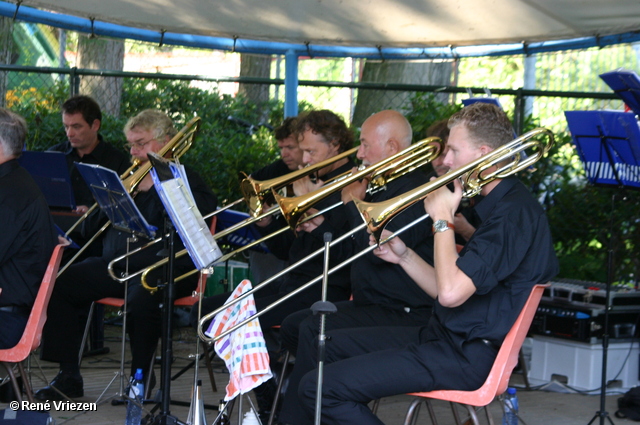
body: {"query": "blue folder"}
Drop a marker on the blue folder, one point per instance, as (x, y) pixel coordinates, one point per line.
(626, 84)
(51, 173)
(608, 143)
(242, 236)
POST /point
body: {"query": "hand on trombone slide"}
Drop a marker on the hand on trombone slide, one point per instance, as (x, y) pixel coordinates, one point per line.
(355, 190)
(394, 251)
(306, 184)
(311, 224)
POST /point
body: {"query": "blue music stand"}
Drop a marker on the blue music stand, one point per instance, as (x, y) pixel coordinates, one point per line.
(626, 84)
(491, 100)
(608, 143)
(114, 200)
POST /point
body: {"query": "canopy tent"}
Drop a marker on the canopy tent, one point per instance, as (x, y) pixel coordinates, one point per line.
(387, 29)
(375, 29)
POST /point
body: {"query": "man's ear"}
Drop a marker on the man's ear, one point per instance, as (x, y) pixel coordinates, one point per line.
(393, 146)
(95, 125)
(484, 149)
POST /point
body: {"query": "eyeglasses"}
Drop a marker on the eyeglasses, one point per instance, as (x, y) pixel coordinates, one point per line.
(139, 145)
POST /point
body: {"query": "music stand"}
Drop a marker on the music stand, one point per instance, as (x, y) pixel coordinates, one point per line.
(173, 189)
(608, 144)
(114, 200)
(626, 84)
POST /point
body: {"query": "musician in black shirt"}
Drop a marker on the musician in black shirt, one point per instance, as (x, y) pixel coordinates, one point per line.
(88, 281)
(28, 233)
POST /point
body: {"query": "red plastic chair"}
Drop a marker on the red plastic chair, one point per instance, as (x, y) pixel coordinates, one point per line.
(498, 378)
(33, 331)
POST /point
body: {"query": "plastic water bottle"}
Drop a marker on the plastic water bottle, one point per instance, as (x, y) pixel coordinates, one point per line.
(134, 409)
(510, 416)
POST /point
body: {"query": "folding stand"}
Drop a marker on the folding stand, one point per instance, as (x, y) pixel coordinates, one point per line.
(115, 202)
(173, 189)
(608, 144)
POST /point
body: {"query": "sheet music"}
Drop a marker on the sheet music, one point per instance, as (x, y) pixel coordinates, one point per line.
(114, 200)
(183, 211)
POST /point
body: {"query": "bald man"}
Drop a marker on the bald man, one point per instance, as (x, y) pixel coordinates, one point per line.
(383, 293)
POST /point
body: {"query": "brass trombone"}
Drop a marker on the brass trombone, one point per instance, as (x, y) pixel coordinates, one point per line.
(177, 146)
(381, 173)
(475, 175)
(256, 193)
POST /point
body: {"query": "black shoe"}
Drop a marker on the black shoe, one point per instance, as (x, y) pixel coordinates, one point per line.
(70, 385)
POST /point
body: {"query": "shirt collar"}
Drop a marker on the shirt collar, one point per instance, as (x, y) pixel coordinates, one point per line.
(484, 208)
(9, 166)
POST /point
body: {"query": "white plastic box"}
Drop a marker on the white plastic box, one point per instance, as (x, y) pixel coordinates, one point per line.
(580, 364)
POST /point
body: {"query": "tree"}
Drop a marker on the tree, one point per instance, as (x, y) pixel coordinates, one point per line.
(104, 54)
(6, 48)
(255, 66)
(399, 72)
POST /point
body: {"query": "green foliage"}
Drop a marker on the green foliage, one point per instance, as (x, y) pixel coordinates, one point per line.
(425, 110)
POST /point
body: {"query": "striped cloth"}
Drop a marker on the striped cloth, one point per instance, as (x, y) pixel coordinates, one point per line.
(244, 351)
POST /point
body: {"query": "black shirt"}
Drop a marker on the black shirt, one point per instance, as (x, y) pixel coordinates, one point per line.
(509, 253)
(375, 281)
(295, 246)
(275, 169)
(28, 236)
(104, 154)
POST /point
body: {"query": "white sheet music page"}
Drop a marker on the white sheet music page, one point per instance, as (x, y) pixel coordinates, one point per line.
(190, 224)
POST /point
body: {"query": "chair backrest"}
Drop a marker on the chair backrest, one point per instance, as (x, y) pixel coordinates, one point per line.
(505, 362)
(33, 331)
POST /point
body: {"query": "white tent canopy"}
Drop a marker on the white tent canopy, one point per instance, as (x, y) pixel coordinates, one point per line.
(365, 28)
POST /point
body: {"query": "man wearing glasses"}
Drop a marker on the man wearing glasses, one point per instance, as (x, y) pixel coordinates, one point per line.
(88, 281)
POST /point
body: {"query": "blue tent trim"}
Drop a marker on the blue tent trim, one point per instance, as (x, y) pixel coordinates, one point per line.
(85, 25)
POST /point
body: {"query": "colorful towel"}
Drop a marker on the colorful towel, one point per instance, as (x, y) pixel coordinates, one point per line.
(244, 350)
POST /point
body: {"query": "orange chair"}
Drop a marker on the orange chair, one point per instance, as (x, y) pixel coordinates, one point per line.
(33, 331)
(498, 378)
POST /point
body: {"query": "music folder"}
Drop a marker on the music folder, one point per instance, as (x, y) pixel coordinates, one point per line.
(114, 200)
(51, 173)
(608, 144)
(626, 84)
(170, 181)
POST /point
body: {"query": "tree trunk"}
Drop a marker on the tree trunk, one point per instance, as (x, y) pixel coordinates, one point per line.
(255, 66)
(6, 47)
(103, 54)
(398, 72)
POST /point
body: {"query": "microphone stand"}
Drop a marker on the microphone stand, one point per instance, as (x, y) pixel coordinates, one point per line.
(323, 308)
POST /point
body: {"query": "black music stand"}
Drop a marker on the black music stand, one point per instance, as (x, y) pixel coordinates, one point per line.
(608, 144)
(173, 189)
(114, 200)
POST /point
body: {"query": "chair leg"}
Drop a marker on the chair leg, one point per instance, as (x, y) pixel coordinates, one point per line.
(274, 406)
(14, 381)
(523, 368)
(414, 407)
(374, 406)
(207, 360)
(85, 334)
(26, 383)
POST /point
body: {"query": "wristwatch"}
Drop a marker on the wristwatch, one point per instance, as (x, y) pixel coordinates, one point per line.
(441, 226)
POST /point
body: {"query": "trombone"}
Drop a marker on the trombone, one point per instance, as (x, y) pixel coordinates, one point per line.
(475, 175)
(497, 164)
(256, 193)
(177, 146)
(381, 173)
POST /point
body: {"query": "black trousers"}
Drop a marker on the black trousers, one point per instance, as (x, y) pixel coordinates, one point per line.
(366, 364)
(299, 333)
(88, 281)
(12, 328)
